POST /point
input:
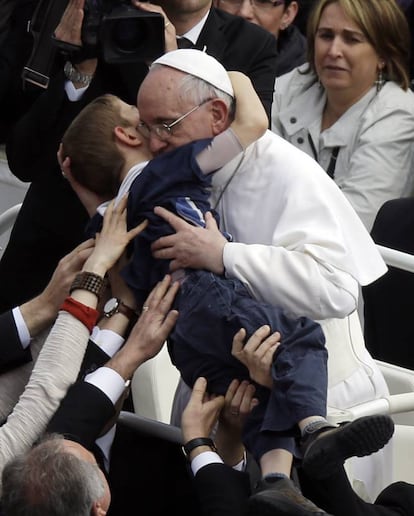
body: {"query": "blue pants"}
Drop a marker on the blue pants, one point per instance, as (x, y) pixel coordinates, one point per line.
(211, 310)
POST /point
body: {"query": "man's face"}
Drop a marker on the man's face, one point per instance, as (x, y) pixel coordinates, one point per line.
(184, 7)
(159, 101)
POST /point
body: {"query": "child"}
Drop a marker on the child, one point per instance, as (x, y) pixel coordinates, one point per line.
(109, 156)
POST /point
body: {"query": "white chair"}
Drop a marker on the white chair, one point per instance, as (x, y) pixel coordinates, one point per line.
(8, 217)
(396, 258)
(400, 403)
(151, 427)
(153, 387)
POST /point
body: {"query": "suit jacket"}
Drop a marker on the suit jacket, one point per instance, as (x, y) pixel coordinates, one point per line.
(145, 472)
(51, 221)
(222, 490)
(15, 48)
(388, 302)
(12, 353)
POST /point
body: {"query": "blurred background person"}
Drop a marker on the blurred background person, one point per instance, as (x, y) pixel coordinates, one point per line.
(278, 17)
(350, 107)
(408, 7)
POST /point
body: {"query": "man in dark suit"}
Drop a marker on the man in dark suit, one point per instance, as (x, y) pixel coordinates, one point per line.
(225, 491)
(388, 302)
(142, 471)
(20, 325)
(52, 219)
(151, 475)
(15, 47)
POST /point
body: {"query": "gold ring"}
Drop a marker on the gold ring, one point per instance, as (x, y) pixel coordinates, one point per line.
(166, 25)
(145, 308)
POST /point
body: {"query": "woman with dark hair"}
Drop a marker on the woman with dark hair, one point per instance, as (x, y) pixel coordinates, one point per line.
(350, 107)
(276, 16)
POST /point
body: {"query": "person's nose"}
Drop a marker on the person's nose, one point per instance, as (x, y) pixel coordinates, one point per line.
(156, 145)
(335, 48)
(246, 10)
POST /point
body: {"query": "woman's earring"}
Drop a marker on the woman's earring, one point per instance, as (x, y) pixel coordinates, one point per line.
(379, 83)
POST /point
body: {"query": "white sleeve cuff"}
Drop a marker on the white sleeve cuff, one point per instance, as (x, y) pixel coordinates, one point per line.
(22, 329)
(241, 466)
(203, 459)
(74, 94)
(109, 341)
(108, 381)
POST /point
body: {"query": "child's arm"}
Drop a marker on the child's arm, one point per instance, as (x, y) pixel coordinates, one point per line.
(250, 123)
(250, 120)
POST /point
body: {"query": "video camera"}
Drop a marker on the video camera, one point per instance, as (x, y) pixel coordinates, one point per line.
(112, 29)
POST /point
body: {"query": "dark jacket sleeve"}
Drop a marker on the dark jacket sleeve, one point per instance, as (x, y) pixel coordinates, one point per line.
(222, 490)
(42, 127)
(12, 353)
(83, 413)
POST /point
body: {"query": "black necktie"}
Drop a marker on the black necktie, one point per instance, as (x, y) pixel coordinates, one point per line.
(184, 43)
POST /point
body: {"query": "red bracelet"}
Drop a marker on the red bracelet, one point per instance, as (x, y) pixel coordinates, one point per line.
(85, 314)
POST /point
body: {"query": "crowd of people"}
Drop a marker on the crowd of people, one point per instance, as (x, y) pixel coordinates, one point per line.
(171, 203)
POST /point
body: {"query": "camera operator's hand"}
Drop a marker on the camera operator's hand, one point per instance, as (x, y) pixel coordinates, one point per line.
(70, 25)
(170, 34)
(69, 31)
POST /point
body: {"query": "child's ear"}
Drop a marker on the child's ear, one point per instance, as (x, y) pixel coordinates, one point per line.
(128, 135)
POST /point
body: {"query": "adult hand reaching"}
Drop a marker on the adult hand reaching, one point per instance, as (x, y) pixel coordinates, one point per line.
(238, 403)
(201, 413)
(190, 246)
(111, 242)
(150, 331)
(69, 31)
(257, 353)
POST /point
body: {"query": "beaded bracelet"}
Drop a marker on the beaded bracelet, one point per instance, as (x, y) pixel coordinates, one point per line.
(85, 314)
(88, 281)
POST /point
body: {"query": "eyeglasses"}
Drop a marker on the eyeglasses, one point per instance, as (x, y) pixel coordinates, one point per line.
(163, 131)
(259, 4)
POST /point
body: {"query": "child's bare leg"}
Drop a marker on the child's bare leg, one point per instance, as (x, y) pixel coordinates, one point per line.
(276, 461)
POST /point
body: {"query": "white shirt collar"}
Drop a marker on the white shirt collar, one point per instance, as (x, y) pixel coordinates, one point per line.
(125, 185)
(194, 33)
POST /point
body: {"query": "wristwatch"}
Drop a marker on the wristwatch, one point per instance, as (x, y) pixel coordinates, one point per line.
(195, 443)
(114, 306)
(75, 76)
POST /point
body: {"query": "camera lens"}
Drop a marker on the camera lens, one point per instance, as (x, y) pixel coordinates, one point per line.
(128, 35)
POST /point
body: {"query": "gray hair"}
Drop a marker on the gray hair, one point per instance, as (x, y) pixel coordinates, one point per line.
(47, 480)
(197, 90)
